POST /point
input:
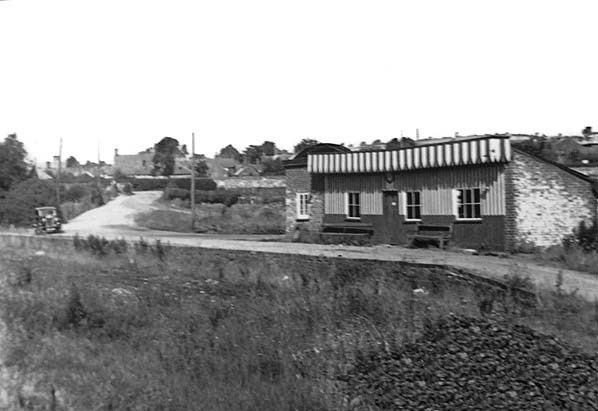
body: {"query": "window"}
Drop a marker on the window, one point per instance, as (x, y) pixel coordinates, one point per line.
(468, 203)
(413, 205)
(353, 205)
(302, 206)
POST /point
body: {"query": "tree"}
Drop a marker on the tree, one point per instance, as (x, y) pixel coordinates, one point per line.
(404, 142)
(13, 167)
(253, 154)
(165, 152)
(272, 167)
(72, 162)
(201, 168)
(230, 152)
(303, 144)
(18, 205)
(268, 148)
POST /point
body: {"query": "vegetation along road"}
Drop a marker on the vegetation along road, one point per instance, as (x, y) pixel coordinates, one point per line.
(116, 220)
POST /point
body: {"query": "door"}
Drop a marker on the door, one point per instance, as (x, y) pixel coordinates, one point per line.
(392, 223)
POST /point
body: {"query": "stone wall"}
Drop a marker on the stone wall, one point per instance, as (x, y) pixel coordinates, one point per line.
(250, 182)
(300, 181)
(549, 202)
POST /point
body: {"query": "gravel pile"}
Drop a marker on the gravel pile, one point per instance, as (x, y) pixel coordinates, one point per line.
(476, 364)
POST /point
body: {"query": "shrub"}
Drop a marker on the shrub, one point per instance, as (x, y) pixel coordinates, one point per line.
(76, 192)
(18, 204)
(171, 193)
(151, 184)
(585, 236)
(127, 189)
(141, 246)
(226, 197)
(99, 245)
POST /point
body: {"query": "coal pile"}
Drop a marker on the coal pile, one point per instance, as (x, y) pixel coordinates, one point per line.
(475, 364)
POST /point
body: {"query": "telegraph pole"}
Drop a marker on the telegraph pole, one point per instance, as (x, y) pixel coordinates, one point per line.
(58, 174)
(192, 181)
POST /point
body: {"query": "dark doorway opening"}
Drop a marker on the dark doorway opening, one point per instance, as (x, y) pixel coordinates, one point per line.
(391, 231)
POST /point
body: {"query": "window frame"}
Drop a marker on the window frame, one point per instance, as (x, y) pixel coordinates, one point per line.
(299, 212)
(348, 205)
(464, 203)
(406, 205)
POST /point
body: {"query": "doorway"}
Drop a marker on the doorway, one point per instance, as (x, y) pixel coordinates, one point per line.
(392, 222)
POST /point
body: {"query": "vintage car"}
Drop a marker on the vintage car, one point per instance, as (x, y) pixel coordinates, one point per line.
(47, 220)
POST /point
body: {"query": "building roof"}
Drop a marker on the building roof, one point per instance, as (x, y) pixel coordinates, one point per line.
(434, 153)
(300, 159)
(561, 166)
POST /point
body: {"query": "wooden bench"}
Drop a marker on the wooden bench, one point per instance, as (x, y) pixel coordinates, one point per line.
(348, 227)
(440, 233)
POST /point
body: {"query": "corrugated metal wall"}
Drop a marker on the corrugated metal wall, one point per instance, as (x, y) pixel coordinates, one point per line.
(369, 185)
(435, 185)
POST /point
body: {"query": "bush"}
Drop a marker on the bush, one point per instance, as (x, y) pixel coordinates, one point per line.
(152, 184)
(99, 245)
(585, 236)
(226, 197)
(76, 192)
(127, 189)
(17, 207)
(174, 192)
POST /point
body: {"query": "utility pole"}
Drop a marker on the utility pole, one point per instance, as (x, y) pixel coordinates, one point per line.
(58, 174)
(192, 181)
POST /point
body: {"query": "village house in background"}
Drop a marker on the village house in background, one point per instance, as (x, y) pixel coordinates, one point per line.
(142, 163)
(219, 167)
(49, 169)
(486, 193)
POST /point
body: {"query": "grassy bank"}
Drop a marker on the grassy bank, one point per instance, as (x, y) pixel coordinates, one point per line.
(217, 218)
(148, 327)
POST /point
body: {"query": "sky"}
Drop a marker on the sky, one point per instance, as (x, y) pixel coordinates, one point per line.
(125, 73)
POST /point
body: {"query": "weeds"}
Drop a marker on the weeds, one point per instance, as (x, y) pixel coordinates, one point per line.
(168, 336)
(236, 219)
(101, 246)
(516, 279)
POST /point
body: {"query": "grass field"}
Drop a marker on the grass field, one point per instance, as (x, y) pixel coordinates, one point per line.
(216, 218)
(147, 327)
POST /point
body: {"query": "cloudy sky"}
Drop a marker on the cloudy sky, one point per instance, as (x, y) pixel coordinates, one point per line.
(125, 73)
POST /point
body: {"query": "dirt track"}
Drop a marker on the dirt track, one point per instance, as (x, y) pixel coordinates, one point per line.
(116, 219)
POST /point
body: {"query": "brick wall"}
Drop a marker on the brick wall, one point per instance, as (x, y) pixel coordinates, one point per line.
(548, 202)
(300, 181)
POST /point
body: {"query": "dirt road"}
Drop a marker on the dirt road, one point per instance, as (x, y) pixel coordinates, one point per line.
(116, 216)
(116, 220)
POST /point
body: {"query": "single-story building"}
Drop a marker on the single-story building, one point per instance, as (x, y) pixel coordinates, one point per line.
(491, 195)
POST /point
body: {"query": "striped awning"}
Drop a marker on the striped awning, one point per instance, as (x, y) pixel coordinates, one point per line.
(445, 154)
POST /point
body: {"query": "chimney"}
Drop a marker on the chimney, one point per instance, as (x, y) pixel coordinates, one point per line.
(456, 134)
(116, 152)
(417, 133)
